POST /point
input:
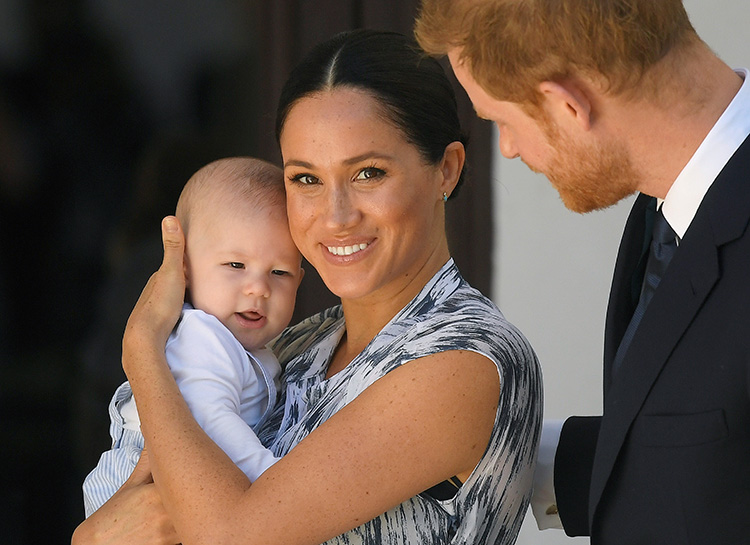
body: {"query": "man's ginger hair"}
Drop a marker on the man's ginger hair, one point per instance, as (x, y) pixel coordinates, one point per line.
(511, 46)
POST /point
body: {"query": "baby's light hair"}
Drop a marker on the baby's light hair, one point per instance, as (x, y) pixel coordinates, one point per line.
(231, 184)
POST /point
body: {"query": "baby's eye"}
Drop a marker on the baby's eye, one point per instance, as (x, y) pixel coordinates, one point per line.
(279, 272)
(369, 173)
(236, 265)
(305, 179)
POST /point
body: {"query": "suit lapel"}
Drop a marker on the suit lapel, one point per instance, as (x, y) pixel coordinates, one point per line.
(723, 216)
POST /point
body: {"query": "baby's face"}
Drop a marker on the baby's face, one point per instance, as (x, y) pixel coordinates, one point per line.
(244, 269)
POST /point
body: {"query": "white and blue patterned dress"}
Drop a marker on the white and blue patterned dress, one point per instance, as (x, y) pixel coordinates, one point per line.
(448, 314)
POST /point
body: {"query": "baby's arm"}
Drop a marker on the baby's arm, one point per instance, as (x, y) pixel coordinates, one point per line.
(116, 464)
(216, 379)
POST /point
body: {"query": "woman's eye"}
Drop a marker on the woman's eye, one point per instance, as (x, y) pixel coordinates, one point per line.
(305, 179)
(236, 265)
(369, 173)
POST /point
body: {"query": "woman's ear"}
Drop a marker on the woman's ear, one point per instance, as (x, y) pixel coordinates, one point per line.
(451, 167)
(567, 102)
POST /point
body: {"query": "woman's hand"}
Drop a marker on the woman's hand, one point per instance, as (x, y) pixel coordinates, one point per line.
(158, 308)
(133, 516)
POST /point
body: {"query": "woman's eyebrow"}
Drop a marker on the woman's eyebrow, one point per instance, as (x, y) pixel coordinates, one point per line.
(365, 156)
(297, 163)
(350, 161)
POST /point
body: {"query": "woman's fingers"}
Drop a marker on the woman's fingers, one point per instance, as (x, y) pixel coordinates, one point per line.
(159, 305)
(135, 515)
(142, 472)
(174, 246)
(171, 275)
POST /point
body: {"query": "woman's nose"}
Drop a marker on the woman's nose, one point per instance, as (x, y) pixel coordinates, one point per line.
(341, 211)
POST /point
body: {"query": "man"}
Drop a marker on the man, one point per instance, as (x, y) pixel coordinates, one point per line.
(609, 98)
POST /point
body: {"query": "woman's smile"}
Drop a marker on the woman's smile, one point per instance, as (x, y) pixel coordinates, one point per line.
(347, 250)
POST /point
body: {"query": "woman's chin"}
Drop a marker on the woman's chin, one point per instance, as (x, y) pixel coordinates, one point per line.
(346, 284)
(346, 290)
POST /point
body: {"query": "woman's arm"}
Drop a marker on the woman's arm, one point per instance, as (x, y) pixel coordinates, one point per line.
(395, 440)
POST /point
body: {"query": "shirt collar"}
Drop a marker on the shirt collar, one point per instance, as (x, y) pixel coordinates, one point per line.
(687, 191)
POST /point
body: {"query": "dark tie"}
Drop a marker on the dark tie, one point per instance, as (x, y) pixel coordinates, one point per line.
(663, 246)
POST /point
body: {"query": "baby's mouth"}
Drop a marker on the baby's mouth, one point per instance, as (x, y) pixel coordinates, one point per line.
(250, 315)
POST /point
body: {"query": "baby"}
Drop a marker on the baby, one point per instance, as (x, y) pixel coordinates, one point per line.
(242, 270)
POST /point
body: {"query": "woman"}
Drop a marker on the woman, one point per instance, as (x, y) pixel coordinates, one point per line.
(412, 411)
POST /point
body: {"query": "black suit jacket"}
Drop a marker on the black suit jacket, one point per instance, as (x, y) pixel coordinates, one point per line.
(669, 461)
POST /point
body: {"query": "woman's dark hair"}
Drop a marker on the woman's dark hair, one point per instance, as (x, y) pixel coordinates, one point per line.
(412, 88)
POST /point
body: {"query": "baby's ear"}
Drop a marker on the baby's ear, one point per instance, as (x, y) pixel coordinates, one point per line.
(301, 275)
(185, 270)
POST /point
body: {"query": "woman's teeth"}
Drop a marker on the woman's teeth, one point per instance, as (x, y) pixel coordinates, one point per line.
(346, 250)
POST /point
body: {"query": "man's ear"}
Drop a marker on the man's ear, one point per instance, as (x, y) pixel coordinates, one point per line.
(567, 102)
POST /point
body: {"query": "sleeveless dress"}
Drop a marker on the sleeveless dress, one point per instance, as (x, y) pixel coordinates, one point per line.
(447, 314)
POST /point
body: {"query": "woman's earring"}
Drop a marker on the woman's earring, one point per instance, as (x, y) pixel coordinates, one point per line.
(445, 197)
